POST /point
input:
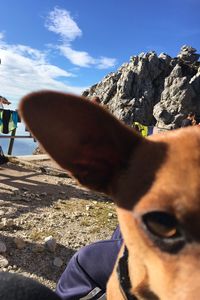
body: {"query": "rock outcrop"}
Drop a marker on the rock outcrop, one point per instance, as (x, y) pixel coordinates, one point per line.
(153, 90)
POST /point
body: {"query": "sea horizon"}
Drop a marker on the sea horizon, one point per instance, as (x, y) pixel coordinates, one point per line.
(21, 146)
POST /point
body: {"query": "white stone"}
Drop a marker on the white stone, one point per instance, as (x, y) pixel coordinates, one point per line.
(3, 262)
(50, 242)
(2, 247)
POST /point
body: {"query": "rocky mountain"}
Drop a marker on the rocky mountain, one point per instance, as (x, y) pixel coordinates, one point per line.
(153, 89)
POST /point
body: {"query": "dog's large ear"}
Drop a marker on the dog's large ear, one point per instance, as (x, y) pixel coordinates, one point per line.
(82, 137)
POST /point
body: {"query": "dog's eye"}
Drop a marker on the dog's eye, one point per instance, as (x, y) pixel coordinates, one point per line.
(164, 230)
(161, 224)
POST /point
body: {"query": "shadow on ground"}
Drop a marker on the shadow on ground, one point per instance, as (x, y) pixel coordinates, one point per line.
(24, 190)
(33, 262)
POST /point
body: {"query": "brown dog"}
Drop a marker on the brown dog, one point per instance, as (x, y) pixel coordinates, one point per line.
(154, 182)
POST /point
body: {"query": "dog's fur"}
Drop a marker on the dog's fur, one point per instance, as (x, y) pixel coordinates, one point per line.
(154, 182)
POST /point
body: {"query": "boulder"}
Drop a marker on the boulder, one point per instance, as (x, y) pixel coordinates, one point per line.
(152, 89)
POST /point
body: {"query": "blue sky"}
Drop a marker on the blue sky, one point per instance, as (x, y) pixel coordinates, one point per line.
(69, 45)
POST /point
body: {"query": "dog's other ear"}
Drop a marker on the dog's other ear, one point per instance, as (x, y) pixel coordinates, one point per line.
(18, 287)
(82, 137)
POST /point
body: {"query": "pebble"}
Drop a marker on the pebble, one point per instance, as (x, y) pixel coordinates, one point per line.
(38, 248)
(16, 192)
(62, 193)
(14, 267)
(44, 194)
(19, 222)
(7, 222)
(87, 207)
(17, 198)
(2, 212)
(25, 189)
(58, 262)
(3, 262)
(2, 247)
(110, 215)
(38, 198)
(20, 243)
(50, 242)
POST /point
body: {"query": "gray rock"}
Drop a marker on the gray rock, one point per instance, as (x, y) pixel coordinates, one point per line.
(176, 100)
(43, 194)
(58, 262)
(188, 54)
(2, 212)
(7, 222)
(152, 89)
(38, 248)
(19, 242)
(2, 247)
(110, 215)
(50, 243)
(3, 262)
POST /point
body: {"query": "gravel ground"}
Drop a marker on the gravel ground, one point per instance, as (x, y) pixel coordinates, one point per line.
(39, 201)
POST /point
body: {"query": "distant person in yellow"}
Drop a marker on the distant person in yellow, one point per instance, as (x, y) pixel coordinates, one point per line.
(142, 129)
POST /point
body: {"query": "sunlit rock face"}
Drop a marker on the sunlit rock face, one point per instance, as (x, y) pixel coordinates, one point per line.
(153, 89)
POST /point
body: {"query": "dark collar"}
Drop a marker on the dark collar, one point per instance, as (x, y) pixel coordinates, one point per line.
(123, 276)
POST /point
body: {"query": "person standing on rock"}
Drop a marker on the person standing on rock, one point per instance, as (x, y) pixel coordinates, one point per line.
(3, 101)
(189, 120)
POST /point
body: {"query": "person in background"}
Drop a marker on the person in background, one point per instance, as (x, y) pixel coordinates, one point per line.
(189, 120)
(136, 127)
(96, 100)
(3, 101)
(3, 159)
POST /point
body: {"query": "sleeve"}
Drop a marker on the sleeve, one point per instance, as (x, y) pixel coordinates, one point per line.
(87, 273)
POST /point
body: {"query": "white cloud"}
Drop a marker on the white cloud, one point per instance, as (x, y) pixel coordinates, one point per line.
(26, 51)
(83, 59)
(79, 58)
(24, 70)
(1, 35)
(105, 62)
(59, 21)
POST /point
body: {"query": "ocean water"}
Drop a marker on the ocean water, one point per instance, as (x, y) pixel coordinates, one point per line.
(21, 146)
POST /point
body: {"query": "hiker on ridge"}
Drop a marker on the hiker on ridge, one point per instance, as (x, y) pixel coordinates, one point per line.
(189, 120)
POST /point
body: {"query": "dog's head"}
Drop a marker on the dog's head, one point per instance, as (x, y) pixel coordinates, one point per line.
(154, 182)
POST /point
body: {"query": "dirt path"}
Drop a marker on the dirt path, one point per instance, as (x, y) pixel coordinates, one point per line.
(38, 200)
